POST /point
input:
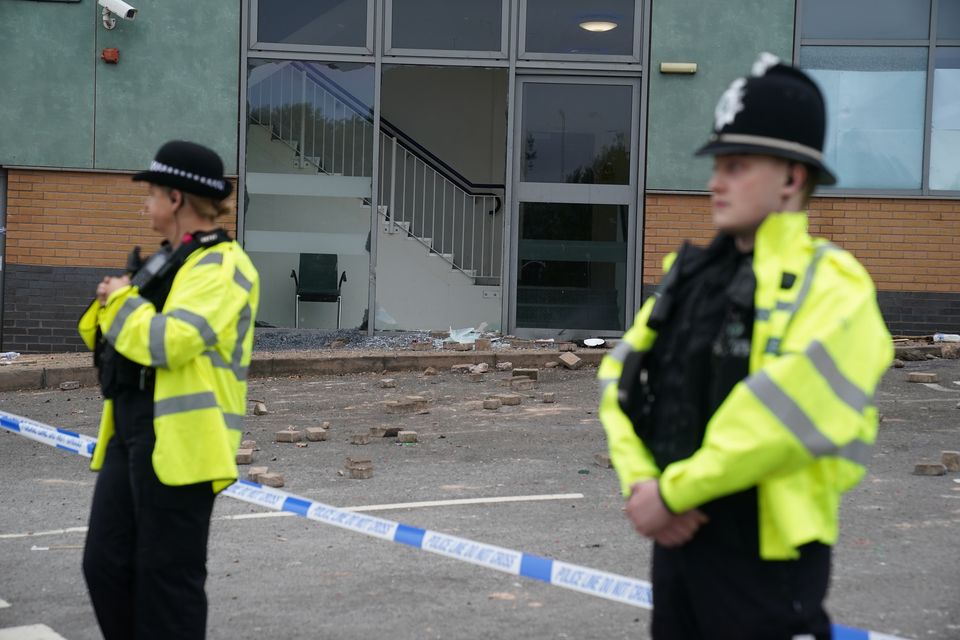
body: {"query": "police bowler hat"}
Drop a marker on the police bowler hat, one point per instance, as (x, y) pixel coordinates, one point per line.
(189, 167)
(778, 111)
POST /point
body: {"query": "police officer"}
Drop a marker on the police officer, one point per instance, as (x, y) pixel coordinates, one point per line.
(739, 406)
(172, 342)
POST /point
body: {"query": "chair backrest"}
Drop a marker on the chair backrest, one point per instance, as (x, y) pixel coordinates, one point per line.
(318, 273)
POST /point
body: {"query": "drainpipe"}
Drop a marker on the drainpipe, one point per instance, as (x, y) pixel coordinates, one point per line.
(3, 242)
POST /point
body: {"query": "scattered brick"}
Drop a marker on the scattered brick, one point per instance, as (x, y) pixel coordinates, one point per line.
(288, 435)
(338, 343)
(271, 480)
(457, 346)
(475, 377)
(929, 469)
(483, 367)
(407, 436)
(522, 384)
(570, 361)
(602, 460)
(509, 399)
(951, 460)
(566, 346)
(360, 474)
(533, 374)
(316, 434)
(483, 344)
(69, 385)
(254, 473)
(394, 407)
(360, 438)
(249, 444)
(357, 462)
(491, 403)
(550, 397)
(260, 409)
(898, 363)
(551, 365)
(429, 371)
(421, 346)
(461, 368)
(378, 432)
(950, 351)
(922, 376)
(522, 344)
(388, 383)
(504, 366)
(244, 456)
(301, 445)
(439, 334)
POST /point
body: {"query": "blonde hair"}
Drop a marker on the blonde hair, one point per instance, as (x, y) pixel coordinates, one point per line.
(203, 206)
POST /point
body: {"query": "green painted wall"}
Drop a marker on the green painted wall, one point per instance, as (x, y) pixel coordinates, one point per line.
(178, 77)
(46, 83)
(723, 38)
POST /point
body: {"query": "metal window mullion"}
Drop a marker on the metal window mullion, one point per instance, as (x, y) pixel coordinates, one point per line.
(849, 42)
(928, 100)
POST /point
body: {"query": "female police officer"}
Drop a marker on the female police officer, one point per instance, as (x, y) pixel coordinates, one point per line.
(739, 406)
(172, 343)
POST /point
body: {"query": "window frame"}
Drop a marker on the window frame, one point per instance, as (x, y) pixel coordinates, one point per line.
(255, 44)
(502, 54)
(535, 56)
(931, 44)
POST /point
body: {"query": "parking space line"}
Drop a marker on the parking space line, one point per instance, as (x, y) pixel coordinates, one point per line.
(4, 604)
(30, 632)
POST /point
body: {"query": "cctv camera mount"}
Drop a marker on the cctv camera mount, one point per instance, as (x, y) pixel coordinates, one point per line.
(109, 21)
(113, 8)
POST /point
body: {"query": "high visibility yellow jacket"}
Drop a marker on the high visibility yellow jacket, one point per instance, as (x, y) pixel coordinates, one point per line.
(200, 345)
(800, 427)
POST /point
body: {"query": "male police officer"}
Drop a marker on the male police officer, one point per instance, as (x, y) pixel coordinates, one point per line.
(738, 408)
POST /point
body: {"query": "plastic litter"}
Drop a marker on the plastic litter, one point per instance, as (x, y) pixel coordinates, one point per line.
(946, 337)
(593, 342)
(467, 336)
(9, 356)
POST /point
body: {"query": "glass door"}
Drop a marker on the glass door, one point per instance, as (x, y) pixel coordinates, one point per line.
(574, 205)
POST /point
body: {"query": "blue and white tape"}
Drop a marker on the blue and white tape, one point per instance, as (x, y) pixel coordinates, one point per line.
(602, 584)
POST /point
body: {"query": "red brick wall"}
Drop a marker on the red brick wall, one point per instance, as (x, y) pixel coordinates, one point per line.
(63, 218)
(905, 244)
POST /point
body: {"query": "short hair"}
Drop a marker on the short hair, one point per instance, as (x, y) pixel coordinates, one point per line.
(204, 206)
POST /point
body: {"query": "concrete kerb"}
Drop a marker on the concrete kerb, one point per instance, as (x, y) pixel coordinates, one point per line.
(320, 364)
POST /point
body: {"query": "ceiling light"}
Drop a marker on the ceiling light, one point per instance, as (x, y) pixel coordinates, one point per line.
(598, 26)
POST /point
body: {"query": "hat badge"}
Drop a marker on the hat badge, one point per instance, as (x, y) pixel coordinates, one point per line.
(730, 104)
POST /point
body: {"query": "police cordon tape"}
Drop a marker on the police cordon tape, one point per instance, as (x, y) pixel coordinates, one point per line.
(602, 584)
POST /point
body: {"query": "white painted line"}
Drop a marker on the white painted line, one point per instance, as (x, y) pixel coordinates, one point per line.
(30, 632)
(415, 505)
(4, 604)
(937, 387)
(51, 532)
(957, 382)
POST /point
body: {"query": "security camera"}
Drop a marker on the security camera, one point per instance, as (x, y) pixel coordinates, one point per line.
(116, 7)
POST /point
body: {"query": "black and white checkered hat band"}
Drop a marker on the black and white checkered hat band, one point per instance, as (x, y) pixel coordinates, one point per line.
(209, 182)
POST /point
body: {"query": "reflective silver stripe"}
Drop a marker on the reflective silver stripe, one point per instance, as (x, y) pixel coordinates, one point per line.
(189, 402)
(784, 306)
(130, 305)
(846, 390)
(855, 451)
(210, 258)
(621, 351)
(243, 326)
(216, 359)
(773, 345)
(241, 280)
(158, 332)
(233, 420)
(762, 314)
(604, 383)
(799, 423)
(198, 322)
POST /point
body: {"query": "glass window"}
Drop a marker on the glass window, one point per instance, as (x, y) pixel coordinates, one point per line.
(457, 25)
(579, 27)
(308, 182)
(572, 266)
(948, 20)
(331, 23)
(945, 128)
(576, 133)
(866, 19)
(875, 113)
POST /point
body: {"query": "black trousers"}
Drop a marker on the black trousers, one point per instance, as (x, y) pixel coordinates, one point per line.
(146, 550)
(706, 591)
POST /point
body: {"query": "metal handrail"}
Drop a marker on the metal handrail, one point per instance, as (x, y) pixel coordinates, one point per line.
(323, 124)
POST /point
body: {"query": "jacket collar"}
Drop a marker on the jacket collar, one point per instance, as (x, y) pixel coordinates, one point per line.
(780, 232)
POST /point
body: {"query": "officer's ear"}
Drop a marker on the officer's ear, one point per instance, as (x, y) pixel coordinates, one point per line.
(176, 198)
(797, 176)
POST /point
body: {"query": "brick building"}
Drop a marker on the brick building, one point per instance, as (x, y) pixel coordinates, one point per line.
(521, 162)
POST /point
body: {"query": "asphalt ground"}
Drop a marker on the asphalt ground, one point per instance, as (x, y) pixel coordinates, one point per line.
(895, 566)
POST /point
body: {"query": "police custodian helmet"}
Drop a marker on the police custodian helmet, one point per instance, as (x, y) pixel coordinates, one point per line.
(777, 111)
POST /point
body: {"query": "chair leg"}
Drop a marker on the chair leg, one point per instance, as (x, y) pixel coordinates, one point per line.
(296, 314)
(339, 299)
